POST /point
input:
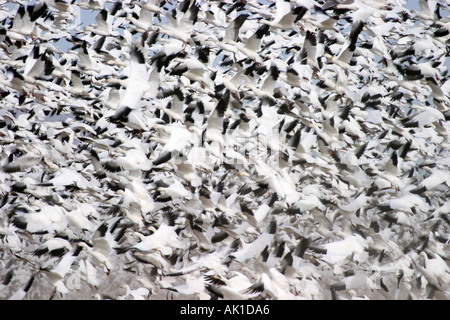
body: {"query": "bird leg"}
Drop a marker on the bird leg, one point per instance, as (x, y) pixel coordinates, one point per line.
(53, 294)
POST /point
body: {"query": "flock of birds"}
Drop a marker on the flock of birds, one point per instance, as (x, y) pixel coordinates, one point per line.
(224, 150)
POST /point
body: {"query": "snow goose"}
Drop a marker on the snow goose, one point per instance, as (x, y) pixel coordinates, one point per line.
(354, 280)
(266, 88)
(24, 21)
(175, 106)
(136, 85)
(232, 79)
(232, 31)
(347, 51)
(405, 202)
(33, 157)
(230, 36)
(427, 116)
(187, 170)
(301, 143)
(179, 140)
(443, 29)
(143, 21)
(254, 42)
(427, 9)
(136, 192)
(61, 5)
(328, 132)
(274, 284)
(163, 239)
(132, 206)
(176, 190)
(80, 217)
(22, 292)
(66, 177)
(57, 273)
(195, 70)
(354, 205)
(215, 126)
(308, 53)
(100, 252)
(37, 65)
(87, 63)
(266, 128)
(436, 178)
(176, 28)
(133, 160)
(49, 219)
(287, 14)
(150, 5)
(103, 26)
(91, 5)
(250, 250)
(321, 19)
(14, 80)
(435, 270)
(56, 247)
(440, 95)
(284, 188)
(235, 286)
(351, 245)
(252, 45)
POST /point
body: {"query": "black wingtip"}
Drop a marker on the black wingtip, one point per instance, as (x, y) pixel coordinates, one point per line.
(29, 284)
(213, 279)
(355, 31)
(77, 251)
(256, 288)
(120, 116)
(302, 246)
(418, 190)
(272, 228)
(137, 54)
(121, 250)
(112, 166)
(162, 158)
